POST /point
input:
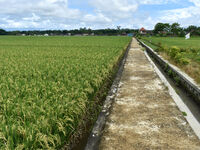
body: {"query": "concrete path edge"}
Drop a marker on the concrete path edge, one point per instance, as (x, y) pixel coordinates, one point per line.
(182, 107)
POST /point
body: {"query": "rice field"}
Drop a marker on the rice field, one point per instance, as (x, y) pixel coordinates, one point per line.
(193, 42)
(47, 85)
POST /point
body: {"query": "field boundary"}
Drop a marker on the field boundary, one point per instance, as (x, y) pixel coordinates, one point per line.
(95, 135)
(177, 75)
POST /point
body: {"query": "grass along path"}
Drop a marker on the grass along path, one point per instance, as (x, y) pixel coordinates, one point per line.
(189, 50)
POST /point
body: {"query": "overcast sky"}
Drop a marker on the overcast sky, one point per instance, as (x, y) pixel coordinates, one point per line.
(71, 14)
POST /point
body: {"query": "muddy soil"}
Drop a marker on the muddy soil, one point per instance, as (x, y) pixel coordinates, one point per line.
(144, 116)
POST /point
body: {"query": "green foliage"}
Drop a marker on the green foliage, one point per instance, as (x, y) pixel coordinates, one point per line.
(83, 30)
(184, 113)
(184, 61)
(161, 27)
(175, 28)
(174, 51)
(138, 36)
(181, 33)
(194, 30)
(157, 35)
(166, 67)
(194, 50)
(176, 41)
(170, 73)
(2, 32)
(161, 48)
(184, 52)
(177, 80)
(48, 83)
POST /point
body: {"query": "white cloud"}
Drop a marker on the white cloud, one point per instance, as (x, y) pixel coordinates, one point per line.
(157, 2)
(125, 10)
(33, 18)
(57, 14)
(96, 18)
(196, 2)
(42, 7)
(177, 14)
(186, 16)
(115, 9)
(31, 14)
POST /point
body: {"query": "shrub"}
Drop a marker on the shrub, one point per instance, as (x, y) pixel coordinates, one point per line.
(174, 51)
(178, 57)
(183, 50)
(184, 61)
(193, 50)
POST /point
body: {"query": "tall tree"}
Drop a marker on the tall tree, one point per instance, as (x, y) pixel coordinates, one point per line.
(161, 27)
(2, 32)
(193, 29)
(119, 28)
(175, 28)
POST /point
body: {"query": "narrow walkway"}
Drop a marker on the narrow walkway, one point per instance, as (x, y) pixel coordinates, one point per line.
(144, 116)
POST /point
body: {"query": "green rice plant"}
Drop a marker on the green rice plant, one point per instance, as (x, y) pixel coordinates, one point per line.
(47, 85)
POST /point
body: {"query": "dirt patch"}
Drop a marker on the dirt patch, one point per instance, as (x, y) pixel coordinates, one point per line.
(144, 116)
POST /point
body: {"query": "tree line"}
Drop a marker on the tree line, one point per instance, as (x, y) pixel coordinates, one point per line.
(160, 29)
(174, 29)
(80, 31)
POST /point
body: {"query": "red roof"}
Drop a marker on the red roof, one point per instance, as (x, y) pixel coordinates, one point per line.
(142, 29)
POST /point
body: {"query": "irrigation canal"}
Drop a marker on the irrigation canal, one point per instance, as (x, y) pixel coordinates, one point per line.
(143, 114)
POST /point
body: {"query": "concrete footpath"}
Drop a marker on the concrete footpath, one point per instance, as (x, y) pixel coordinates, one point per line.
(144, 116)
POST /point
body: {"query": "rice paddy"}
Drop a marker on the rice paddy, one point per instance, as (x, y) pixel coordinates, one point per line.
(47, 85)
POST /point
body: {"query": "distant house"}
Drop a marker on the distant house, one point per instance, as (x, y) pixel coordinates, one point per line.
(143, 31)
(85, 34)
(78, 35)
(162, 32)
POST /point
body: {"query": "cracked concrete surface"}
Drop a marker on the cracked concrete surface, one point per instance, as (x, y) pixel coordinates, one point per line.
(144, 116)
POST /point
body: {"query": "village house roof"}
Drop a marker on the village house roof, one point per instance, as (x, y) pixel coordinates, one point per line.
(142, 29)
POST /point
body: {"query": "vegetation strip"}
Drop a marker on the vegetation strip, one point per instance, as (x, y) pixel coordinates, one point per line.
(176, 75)
(94, 138)
(184, 54)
